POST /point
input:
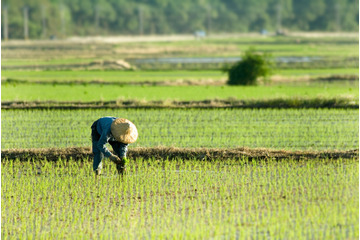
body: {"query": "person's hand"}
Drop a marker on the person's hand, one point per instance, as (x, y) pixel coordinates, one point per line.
(121, 169)
(115, 159)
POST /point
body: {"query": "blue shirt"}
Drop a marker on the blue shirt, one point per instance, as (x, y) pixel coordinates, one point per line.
(104, 129)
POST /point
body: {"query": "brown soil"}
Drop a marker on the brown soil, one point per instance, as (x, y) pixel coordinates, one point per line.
(163, 153)
(341, 77)
(308, 79)
(177, 82)
(213, 103)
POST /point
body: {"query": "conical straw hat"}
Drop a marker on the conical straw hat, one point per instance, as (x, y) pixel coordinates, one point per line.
(124, 131)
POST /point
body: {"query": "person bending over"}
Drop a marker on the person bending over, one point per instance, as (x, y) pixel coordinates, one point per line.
(118, 132)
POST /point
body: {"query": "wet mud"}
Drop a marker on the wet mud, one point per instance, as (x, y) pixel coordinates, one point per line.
(171, 153)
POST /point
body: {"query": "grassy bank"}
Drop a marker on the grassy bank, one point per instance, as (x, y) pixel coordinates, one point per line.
(156, 76)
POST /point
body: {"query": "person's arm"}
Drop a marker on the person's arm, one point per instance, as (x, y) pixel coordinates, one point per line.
(123, 150)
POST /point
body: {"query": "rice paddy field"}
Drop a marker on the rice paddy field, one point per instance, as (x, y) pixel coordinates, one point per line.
(52, 91)
(85, 93)
(72, 51)
(290, 129)
(182, 200)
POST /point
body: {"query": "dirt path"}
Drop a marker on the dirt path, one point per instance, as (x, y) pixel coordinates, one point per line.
(161, 153)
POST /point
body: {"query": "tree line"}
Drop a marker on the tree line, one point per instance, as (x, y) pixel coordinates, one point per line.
(60, 18)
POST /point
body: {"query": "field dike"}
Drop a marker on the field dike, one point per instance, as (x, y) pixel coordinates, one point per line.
(344, 103)
(95, 65)
(277, 79)
(171, 153)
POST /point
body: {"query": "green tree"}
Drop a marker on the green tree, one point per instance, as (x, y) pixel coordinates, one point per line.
(93, 17)
(340, 15)
(306, 12)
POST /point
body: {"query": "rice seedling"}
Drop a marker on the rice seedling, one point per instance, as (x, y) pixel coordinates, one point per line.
(316, 199)
(302, 129)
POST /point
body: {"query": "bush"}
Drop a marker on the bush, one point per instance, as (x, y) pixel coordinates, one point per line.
(249, 68)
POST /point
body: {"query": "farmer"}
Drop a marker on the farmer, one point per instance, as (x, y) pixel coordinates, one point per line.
(118, 132)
